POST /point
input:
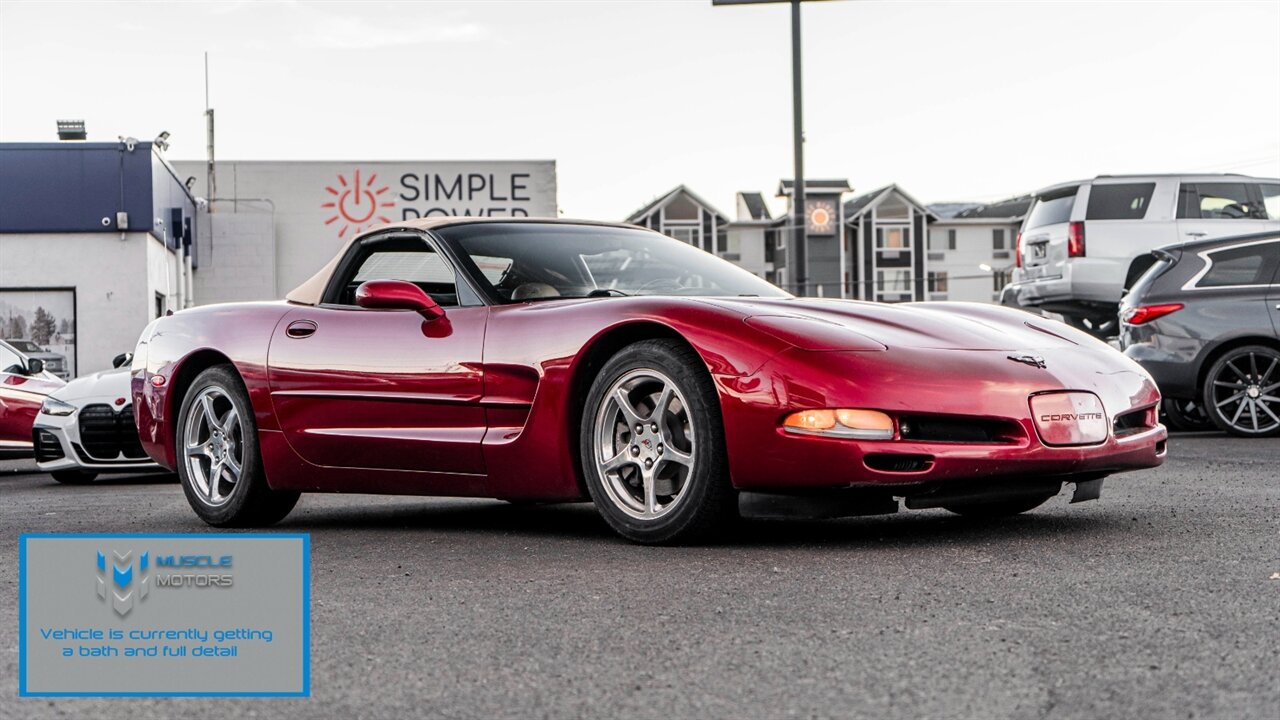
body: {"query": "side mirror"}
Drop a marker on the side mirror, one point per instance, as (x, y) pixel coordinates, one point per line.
(397, 295)
(35, 366)
(121, 360)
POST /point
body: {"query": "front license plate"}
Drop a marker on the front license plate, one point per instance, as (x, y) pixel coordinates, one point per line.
(1069, 418)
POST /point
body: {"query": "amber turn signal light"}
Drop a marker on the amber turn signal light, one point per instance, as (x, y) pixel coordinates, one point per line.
(843, 422)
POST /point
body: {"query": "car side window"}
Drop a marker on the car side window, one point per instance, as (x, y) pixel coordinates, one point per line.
(1218, 201)
(401, 258)
(10, 362)
(1245, 265)
(1271, 200)
(1122, 201)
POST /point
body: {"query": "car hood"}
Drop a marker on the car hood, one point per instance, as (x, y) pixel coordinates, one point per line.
(937, 325)
(106, 383)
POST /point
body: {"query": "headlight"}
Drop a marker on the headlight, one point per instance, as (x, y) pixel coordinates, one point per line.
(56, 407)
(842, 423)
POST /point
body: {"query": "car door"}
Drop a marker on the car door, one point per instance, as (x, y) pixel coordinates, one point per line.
(1220, 209)
(383, 389)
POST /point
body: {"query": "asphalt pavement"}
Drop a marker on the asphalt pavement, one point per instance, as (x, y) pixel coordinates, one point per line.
(1160, 600)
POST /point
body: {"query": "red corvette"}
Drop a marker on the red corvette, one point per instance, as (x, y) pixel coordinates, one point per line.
(546, 360)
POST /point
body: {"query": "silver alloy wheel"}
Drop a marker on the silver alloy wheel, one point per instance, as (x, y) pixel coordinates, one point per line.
(214, 446)
(1248, 400)
(644, 444)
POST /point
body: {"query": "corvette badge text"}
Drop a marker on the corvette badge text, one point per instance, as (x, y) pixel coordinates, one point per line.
(170, 615)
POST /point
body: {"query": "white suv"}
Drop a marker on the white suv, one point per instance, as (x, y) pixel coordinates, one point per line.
(1084, 242)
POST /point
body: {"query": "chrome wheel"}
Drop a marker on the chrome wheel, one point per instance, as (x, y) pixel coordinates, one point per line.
(1244, 392)
(214, 446)
(643, 444)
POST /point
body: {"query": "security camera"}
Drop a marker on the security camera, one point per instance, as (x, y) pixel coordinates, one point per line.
(190, 183)
(129, 142)
(162, 140)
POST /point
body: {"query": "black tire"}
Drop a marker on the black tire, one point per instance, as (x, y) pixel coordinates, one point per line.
(1186, 415)
(250, 502)
(73, 477)
(990, 509)
(708, 503)
(1242, 391)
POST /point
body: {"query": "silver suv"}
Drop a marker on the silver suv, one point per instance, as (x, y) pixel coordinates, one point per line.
(1083, 243)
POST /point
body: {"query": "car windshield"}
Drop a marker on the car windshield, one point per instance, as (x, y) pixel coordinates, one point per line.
(521, 262)
(1051, 209)
(25, 346)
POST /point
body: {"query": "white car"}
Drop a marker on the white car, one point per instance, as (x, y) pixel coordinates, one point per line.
(1083, 243)
(86, 428)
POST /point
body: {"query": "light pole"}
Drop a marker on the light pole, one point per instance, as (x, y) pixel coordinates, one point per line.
(799, 255)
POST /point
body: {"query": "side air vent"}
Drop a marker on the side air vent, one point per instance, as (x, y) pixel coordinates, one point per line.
(1134, 421)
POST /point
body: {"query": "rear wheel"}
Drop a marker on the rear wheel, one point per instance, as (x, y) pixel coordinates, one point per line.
(219, 462)
(1242, 391)
(999, 508)
(1186, 415)
(652, 446)
(73, 477)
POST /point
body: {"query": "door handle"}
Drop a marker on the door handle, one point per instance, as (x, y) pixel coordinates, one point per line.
(1197, 234)
(299, 329)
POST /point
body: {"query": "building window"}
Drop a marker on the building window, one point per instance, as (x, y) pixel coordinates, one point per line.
(938, 281)
(997, 239)
(160, 303)
(999, 279)
(893, 281)
(687, 235)
(893, 238)
(951, 239)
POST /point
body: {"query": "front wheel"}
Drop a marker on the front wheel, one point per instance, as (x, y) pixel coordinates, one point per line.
(652, 446)
(999, 508)
(1242, 391)
(219, 462)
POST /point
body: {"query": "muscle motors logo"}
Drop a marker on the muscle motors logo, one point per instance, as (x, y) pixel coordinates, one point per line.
(118, 585)
(357, 203)
(124, 580)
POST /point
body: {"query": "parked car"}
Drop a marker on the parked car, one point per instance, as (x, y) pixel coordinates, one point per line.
(53, 362)
(556, 360)
(1204, 320)
(24, 384)
(86, 428)
(1082, 243)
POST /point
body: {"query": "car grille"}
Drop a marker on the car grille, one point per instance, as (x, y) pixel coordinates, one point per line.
(47, 446)
(106, 434)
(959, 429)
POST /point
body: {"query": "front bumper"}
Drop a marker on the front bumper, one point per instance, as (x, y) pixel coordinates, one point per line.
(959, 386)
(58, 446)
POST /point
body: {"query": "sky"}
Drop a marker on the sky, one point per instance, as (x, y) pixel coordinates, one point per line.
(953, 101)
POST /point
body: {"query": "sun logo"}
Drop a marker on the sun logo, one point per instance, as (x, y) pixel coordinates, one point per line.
(356, 205)
(821, 217)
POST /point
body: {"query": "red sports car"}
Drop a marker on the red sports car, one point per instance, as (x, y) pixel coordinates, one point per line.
(560, 361)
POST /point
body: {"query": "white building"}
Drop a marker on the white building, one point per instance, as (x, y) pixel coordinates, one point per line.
(273, 224)
(971, 253)
(91, 240)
